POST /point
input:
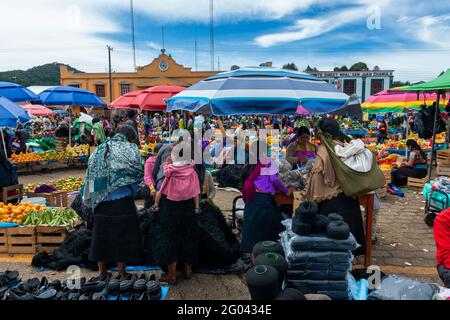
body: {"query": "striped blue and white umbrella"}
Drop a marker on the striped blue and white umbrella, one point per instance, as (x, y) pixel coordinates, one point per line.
(260, 91)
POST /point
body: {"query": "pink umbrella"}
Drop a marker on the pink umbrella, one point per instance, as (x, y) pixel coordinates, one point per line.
(153, 99)
(124, 102)
(38, 110)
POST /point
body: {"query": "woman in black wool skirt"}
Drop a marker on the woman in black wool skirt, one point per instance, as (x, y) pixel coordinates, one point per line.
(324, 188)
(175, 231)
(114, 171)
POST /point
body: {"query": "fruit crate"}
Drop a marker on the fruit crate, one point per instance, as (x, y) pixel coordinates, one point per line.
(54, 199)
(49, 238)
(443, 170)
(22, 240)
(443, 157)
(3, 240)
(416, 184)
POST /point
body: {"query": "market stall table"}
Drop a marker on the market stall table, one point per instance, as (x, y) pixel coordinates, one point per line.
(367, 201)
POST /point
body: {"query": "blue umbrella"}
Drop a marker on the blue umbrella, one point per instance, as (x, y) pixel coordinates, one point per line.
(260, 91)
(10, 115)
(70, 96)
(16, 92)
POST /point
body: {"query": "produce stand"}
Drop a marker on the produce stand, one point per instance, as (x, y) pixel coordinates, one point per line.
(416, 184)
(3, 240)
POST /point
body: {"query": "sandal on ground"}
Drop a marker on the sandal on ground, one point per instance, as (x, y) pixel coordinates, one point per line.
(154, 209)
(187, 275)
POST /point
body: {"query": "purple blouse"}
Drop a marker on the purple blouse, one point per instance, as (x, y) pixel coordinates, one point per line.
(270, 184)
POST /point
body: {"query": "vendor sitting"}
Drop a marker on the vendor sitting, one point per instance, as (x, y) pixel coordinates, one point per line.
(415, 167)
(301, 150)
(18, 143)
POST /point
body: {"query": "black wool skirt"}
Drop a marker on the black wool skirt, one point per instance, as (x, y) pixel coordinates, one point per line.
(349, 209)
(262, 221)
(116, 236)
(175, 234)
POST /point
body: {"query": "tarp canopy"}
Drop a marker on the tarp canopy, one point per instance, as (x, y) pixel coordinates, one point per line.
(440, 83)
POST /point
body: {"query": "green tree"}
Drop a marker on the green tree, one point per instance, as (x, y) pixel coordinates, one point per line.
(397, 84)
(290, 66)
(359, 66)
(309, 69)
(235, 67)
(45, 75)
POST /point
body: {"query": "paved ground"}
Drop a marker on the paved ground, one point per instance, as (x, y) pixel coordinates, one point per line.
(405, 246)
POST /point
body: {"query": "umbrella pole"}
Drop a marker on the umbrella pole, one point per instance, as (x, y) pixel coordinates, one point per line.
(434, 136)
(4, 145)
(70, 127)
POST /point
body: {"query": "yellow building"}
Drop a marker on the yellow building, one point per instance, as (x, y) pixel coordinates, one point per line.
(163, 70)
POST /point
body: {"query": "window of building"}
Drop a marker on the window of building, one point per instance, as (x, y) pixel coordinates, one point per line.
(350, 86)
(100, 90)
(75, 85)
(125, 88)
(376, 86)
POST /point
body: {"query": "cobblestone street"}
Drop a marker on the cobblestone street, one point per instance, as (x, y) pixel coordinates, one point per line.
(405, 246)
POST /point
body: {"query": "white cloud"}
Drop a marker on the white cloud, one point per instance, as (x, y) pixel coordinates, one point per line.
(309, 28)
(153, 45)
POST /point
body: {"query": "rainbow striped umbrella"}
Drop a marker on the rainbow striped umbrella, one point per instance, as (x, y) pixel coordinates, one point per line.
(397, 101)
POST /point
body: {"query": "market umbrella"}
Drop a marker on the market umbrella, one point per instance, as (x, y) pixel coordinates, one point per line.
(439, 85)
(265, 91)
(16, 93)
(153, 99)
(70, 96)
(38, 110)
(10, 115)
(397, 101)
(124, 102)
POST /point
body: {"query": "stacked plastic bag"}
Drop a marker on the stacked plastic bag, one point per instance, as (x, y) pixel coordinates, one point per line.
(318, 262)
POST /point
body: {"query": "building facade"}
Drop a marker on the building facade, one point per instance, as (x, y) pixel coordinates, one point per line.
(163, 70)
(362, 83)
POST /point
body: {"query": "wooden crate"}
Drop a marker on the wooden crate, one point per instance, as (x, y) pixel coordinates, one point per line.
(50, 238)
(21, 240)
(416, 184)
(387, 175)
(298, 200)
(61, 143)
(53, 199)
(443, 157)
(443, 170)
(3, 240)
(382, 192)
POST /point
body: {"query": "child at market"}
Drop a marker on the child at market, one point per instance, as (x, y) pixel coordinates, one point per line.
(180, 183)
(148, 171)
(441, 232)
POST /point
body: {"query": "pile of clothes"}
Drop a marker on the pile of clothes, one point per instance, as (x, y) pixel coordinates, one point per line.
(291, 177)
(319, 252)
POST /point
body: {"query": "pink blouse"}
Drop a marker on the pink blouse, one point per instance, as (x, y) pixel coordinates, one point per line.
(148, 171)
(180, 183)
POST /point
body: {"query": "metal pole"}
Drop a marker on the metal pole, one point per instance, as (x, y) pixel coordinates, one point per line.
(434, 135)
(110, 83)
(133, 38)
(4, 145)
(211, 13)
(70, 126)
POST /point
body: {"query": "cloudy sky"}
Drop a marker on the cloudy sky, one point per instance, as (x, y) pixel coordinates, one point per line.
(411, 37)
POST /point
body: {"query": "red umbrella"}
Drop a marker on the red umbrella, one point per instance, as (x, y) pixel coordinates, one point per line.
(124, 102)
(152, 99)
(38, 110)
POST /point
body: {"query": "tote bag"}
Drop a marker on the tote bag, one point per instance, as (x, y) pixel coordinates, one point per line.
(352, 182)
